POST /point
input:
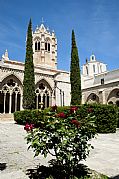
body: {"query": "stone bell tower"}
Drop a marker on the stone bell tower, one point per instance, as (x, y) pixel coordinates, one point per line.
(44, 47)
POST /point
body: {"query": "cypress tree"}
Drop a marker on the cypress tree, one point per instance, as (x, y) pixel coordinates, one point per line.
(75, 78)
(29, 79)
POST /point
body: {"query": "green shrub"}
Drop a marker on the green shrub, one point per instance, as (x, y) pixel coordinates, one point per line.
(29, 116)
(106, 116)
(118, 117)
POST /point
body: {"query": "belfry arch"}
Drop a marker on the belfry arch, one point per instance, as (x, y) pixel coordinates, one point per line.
(10, 94)
(43, 94)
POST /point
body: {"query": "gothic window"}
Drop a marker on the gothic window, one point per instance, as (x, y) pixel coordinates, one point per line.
(37, 46)
(86, 70)
(94, 68)
(47, 46)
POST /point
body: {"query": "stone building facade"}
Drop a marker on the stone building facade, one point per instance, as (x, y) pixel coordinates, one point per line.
(52, 86)
(98, 84)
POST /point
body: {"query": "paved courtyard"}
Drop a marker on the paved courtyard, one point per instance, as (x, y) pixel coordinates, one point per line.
(15, 159)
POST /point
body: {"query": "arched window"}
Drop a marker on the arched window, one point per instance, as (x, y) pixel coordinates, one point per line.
(86, 70)
(94, 68)
(47, 46)
(37, 46)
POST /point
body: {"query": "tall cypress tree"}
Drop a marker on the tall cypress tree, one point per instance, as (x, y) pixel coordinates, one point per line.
(29, 79)
(75, 78)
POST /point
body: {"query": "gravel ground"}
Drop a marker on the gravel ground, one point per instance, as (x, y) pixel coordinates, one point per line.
(15, 159)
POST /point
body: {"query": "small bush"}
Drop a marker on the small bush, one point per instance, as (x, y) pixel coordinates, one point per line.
(29, 116)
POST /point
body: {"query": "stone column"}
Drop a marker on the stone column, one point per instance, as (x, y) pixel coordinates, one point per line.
(37, 100)
(21, 102)
(83, 100)
(16, 101)
(41, 97)
(50, 100)
(4, 101)
(46, 101)
(10, 103)
(53, 100)
(61, 97)
(103, 97)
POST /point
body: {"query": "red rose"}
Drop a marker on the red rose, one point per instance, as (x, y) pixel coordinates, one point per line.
(75, 122)
(61, 115)
(73, 109)
(29, 127)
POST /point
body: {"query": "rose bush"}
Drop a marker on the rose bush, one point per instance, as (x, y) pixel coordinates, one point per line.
(64, 135)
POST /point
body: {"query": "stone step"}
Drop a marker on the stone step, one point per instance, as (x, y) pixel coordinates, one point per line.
(6, 117)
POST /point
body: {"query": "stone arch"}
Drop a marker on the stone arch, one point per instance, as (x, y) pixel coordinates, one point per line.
(113, 96)
(47, 39)
(92, 98)
(10, 94)
(43, 92)
(15, 77)
(37, 38)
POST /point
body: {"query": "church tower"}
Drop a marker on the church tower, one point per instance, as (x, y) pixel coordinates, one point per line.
(93, 67)
(44, 47)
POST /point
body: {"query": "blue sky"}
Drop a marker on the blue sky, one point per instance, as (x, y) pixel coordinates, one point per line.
(95, 22)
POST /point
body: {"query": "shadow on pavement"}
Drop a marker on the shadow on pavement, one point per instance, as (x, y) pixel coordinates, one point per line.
(115, 177)
(56, 171)
(2, 166)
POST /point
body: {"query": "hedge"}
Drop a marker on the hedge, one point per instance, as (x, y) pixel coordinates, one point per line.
(105, 116)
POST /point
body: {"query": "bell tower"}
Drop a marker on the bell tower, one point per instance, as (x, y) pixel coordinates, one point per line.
(44, 47)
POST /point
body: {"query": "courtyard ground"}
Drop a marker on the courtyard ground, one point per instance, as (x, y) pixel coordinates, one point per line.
(15, 159)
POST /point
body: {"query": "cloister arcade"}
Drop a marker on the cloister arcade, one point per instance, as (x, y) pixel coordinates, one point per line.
(11, 94)
(111, 97)
(93, 98)
(44, 94)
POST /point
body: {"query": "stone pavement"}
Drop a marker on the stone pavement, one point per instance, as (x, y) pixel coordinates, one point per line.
(15, 159)
(104, 158)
